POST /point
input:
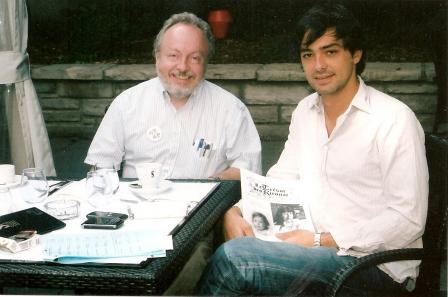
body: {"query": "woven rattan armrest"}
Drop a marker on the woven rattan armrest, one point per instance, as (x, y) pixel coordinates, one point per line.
(374, 259)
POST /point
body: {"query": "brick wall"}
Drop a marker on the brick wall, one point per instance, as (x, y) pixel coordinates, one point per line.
(74, 97)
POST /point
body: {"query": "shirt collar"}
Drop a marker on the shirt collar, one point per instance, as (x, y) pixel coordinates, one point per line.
(314, 103)
(161, 90)
(360, 101)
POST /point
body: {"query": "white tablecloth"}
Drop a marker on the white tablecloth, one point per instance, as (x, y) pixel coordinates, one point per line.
(161, 213)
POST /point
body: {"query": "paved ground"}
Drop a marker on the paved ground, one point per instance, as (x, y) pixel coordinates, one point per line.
(69, 154)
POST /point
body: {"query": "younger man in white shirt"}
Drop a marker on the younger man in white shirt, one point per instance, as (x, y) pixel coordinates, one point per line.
(361, 153)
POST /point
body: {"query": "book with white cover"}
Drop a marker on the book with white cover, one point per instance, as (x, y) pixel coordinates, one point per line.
(273, 205)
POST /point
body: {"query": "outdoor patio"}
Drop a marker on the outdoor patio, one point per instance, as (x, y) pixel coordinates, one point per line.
(84, 53)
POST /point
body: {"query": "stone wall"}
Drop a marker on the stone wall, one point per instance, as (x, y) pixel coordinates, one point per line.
(74, 97)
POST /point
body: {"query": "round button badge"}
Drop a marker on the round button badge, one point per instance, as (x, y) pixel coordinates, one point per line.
(155, 133)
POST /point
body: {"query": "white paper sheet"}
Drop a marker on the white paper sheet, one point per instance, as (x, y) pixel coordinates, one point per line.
(106, 244)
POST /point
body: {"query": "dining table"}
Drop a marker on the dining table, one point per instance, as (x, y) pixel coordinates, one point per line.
(29, 273)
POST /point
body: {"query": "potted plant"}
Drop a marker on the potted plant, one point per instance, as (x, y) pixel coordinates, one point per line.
(219, 20)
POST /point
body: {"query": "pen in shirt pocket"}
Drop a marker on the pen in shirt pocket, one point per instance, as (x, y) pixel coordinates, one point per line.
(198, 143)
(202, 147)
(207, 150)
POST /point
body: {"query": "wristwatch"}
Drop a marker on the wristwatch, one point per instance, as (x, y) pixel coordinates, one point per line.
(316, 241)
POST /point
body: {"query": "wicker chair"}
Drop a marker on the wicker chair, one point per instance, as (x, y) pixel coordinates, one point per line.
(434, 238)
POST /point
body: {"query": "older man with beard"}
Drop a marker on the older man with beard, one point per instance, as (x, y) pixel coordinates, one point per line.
(193, 127)
(168, 118)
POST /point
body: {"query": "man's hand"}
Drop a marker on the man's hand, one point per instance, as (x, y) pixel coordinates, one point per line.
(235, 226)
(300, 237)
(231, 173)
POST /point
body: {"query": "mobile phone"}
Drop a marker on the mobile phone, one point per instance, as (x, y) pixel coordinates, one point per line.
(106, 214)
(102, 223)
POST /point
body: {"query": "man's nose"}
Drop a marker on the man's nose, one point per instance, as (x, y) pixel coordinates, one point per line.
(182, 64)
(320, 63)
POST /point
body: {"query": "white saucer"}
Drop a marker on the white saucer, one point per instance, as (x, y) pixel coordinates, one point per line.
(146, 193)
(16, 182)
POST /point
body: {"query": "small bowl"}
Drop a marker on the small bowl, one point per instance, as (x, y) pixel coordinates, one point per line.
(63, 208)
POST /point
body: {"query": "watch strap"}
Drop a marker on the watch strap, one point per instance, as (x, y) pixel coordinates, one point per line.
(316, 241)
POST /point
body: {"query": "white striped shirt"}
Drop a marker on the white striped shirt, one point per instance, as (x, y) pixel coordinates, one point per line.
(141, 125)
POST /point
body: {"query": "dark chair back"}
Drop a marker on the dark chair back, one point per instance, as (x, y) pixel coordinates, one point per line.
(435, 236)
(433, 254)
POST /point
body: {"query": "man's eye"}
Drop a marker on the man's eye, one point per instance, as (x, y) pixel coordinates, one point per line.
(306, 56)
(196, 59)
(331, 53)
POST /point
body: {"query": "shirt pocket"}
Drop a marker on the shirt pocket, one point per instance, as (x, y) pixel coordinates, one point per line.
(209, 159)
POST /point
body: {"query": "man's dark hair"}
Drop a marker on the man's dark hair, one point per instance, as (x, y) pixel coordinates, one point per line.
(330, 15)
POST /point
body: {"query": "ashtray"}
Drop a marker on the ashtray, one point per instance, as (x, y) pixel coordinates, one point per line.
(64, 207)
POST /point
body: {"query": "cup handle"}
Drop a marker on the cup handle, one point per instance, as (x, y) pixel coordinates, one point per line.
(165, 172)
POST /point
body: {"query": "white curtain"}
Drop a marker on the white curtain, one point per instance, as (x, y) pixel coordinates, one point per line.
(28, 145)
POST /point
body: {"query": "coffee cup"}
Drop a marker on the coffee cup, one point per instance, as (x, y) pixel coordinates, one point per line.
(149, 174)
(7, 174)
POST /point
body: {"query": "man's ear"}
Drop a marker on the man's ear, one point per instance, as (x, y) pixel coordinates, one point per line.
(156, 56)
(357, 56)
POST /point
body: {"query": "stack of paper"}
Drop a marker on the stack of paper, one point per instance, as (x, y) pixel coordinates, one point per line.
(117, 246)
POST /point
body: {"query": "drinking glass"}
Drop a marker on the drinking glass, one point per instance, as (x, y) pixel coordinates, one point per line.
(101, 185)
(6, 201)
(35, 185)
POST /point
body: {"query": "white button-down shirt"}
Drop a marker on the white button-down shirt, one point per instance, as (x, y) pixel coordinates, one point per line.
(210, 133)
(368, 180)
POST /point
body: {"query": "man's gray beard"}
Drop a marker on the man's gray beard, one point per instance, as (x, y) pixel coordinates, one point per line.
(178, 93)
(174, 92)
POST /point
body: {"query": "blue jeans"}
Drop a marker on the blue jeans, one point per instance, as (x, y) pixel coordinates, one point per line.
(249, 266)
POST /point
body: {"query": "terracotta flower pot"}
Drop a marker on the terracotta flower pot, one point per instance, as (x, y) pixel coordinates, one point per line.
(219, 21)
